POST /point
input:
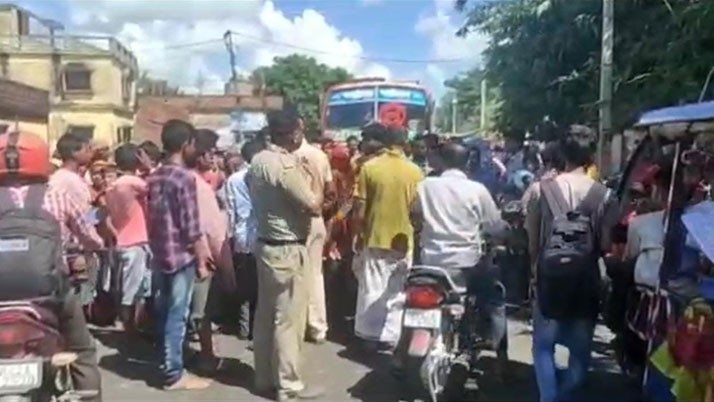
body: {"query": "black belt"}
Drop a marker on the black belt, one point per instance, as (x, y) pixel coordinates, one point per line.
(272, 242)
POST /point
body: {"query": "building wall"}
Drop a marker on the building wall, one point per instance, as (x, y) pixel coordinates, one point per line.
(106, 124)
(211, 121)
(32, 126)
(105, 107)
(106, 79)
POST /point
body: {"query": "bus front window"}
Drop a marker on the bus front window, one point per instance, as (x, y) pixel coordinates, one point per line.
(350, 115)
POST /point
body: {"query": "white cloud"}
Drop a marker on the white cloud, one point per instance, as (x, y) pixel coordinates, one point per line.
(439, 27)
(182, 41)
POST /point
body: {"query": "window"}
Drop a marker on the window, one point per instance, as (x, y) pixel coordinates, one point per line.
(126, 89)
(84, 132)
(124, 134)
(77, 78)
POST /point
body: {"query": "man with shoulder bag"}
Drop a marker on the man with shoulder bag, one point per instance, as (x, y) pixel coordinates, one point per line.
(564, 220)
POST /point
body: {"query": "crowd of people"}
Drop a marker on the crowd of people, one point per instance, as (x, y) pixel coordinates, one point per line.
(302, 236)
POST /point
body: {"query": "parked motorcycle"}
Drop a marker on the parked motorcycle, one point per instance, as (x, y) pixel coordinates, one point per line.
(434, 339)
(33, 364)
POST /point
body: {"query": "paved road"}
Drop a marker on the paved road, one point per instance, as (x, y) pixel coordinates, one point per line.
(129, 373)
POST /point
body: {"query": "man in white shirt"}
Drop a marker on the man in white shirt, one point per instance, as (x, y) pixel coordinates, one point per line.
(453, 213)
(243, 224)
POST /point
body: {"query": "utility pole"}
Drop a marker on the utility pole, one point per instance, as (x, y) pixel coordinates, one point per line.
(483, 104)
(605, 110)
(228, 40)
(454, 106)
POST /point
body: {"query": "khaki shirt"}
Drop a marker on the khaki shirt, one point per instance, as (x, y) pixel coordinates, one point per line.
(316, 160)
(280, 194)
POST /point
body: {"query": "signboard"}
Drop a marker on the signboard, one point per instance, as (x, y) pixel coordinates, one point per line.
(393, 115)
(346, 96)
(247, 121)
(402, 95)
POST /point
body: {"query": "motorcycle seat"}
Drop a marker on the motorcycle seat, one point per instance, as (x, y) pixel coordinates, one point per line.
(454, 280)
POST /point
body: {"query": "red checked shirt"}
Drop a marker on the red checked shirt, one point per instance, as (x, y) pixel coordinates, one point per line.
(69, 214)
(174, 225)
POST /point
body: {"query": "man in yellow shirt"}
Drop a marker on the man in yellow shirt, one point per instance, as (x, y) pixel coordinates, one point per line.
(386, 187)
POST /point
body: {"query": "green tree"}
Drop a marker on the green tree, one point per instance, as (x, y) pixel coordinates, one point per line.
(544, 57)
(302, 81)
(467, 89)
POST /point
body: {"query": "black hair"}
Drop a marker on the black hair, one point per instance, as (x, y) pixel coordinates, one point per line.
(205, 141)
(431, 139)
(69, 144)
(577, 146)
(251, 148)
(175, 134)
(126, 157)
(374, 131)
(352, 138)
(418, 138)
(151, 150)
(552, 156)
(282, 122)
(454, 156)
(395, 136)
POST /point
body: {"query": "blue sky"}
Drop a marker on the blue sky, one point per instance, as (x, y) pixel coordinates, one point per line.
(180, 40)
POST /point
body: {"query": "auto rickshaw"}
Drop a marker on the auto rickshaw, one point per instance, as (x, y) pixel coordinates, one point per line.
(673, 319)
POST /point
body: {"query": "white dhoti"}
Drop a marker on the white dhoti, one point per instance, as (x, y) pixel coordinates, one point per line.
(380, 299)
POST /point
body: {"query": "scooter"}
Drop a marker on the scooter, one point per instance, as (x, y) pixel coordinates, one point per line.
(33, 365)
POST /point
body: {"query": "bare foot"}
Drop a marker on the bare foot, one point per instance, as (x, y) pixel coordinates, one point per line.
(188, 382)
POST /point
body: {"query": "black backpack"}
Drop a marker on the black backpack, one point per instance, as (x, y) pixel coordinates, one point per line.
(31, 258)
(568, 276)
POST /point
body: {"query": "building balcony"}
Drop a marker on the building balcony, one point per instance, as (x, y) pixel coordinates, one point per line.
(75, 45)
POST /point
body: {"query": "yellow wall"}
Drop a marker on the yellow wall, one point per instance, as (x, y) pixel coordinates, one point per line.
(35, 127)
(36, 70)
(105, 124)
(105, 109)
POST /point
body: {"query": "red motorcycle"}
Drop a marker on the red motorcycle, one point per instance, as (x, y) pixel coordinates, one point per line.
(33, 364)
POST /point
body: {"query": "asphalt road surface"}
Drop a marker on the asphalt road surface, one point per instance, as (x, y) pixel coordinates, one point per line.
(129, 372)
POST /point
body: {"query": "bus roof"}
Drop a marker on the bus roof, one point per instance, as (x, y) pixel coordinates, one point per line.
(369, 82)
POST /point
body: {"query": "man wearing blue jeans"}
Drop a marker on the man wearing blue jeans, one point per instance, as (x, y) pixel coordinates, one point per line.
(575, 332)
(175, 238)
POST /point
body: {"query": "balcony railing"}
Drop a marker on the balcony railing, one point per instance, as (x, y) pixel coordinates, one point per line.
(68, 44)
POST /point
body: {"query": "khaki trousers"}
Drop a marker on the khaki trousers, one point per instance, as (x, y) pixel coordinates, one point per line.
(317, 311)
(280, 317)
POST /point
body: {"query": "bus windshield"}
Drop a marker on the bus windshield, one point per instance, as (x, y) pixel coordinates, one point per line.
(349, 115)
(352, 108)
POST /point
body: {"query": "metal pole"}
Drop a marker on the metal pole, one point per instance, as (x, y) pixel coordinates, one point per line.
(605, 120)
(483, 104)
(454, 105)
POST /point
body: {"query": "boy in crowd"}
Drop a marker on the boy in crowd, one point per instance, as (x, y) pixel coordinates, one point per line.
(126, 206)
(176, 241)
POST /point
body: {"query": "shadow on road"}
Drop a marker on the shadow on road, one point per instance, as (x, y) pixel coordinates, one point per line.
(380, 386)
(137, 360)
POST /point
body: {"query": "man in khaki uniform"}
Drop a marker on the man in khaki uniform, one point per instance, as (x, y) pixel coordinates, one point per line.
(284, 206)
(321, 183)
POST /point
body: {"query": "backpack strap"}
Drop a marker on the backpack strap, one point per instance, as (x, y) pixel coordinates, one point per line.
(6, 201)
(593, 199)
(35, 199)
(554, 198)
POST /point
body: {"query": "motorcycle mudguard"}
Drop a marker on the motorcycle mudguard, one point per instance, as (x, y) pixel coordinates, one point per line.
(419, 342)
